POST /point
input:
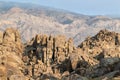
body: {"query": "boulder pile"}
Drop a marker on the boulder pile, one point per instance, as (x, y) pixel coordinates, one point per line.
(56, 58)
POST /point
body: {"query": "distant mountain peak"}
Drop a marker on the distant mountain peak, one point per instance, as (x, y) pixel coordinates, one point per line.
(16, 10)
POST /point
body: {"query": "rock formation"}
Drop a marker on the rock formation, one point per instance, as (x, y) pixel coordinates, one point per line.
(104, 47)
(11, 50)
(56, 58)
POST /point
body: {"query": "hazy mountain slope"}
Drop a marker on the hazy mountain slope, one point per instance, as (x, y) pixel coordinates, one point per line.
(32, 19)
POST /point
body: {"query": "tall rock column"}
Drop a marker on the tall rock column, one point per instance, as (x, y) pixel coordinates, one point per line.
(49, 50)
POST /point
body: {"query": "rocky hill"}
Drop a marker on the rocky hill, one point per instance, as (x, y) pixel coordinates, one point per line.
(47, 57)
(32, 19)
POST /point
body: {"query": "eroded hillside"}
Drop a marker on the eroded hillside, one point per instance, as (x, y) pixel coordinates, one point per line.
(47, 57)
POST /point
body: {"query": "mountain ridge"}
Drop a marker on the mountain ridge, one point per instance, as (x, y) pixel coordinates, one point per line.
(33, 20)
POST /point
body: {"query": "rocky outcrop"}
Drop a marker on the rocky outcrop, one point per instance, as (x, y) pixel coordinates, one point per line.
(47, 53)
(56, 58)
(104, 47)
(104, 43)
(11, 50)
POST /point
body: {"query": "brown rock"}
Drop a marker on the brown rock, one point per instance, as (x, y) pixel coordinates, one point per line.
(11, 35)
(18, 77)
(1, 37)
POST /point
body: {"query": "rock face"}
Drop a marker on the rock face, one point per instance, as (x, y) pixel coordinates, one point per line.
(11, 50)
(56, 58)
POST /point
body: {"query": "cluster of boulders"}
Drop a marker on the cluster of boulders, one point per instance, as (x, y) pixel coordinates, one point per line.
(105, 48)
(56, 58)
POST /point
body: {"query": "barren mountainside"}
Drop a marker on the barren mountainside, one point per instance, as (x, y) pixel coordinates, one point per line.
(34, 19)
